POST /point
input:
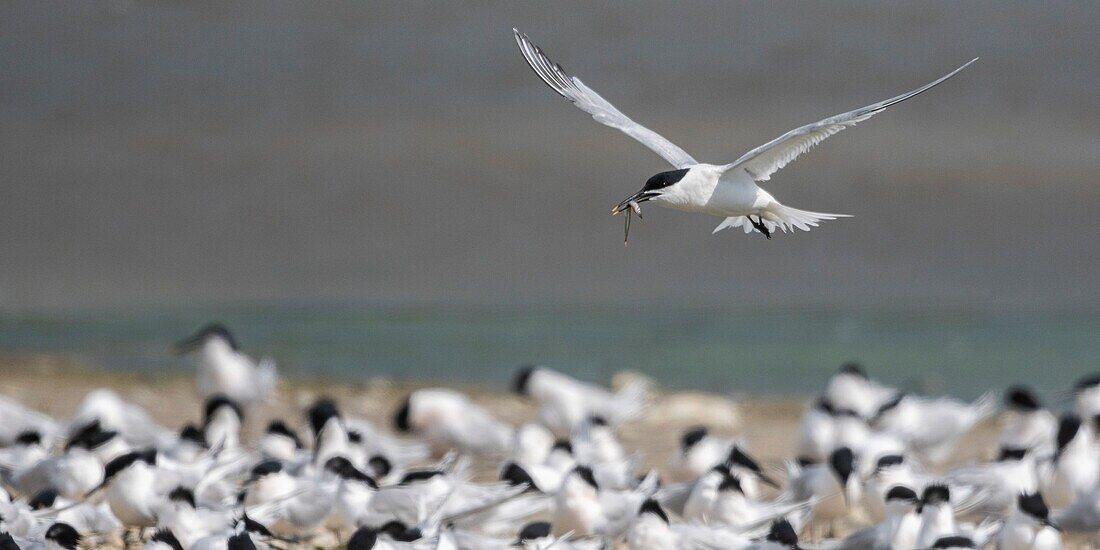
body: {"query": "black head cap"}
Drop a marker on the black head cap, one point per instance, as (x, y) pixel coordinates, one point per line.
(783, 533)
(419, 475)
(240, 541)
(148, 456)
(1008, 453)
(90, 436)
(523, 379)
(534, 531)
(824, 405)
(64, 535)
(563, 445)
(400, 533)
(516, 476)
(901, 492)
(1087, 382)
(1068, 426)
(253, 526)
(320, 413)
(597, 420)
(842, 461)
(209, 331)
(265, 468)
(380, 465)
(691, 437)
(651, 506)
(1034, 506)
(401, 419)
(7, 542)
(889, 405)
(29, 437)
(730, 482)
(953, 541)
(886, 461)
(165, 536)
(1021, 398)
(216, 402)
(182, 494)
(364, 538)
(935, 493)
(279, 427)
(44, 499)
(193, 434)
(665, 179)
(354, 436)
(853, 368)
(343, 468)
(739, 457)
(585, 473)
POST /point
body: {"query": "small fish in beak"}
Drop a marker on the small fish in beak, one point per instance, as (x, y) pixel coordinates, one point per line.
(633, 209)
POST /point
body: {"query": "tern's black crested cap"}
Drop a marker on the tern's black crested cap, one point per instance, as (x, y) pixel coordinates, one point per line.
(7, 542)
(901, 492)
(953, 541)
(783, 532)
(738, 457)
(321, 412)
(278, 427)
(118, 464)
(887, 461)
(1034, 506)
(1021, 398)
(563, 445)
(853, 368)
(380, 465)
(936, 493)
(1068, 426)
(651, 506)
(28, 437)
(64, 535)
(343, 468)
(44, 499)
(419, 475)
(515, 475)
(401, 417)
(192, 433)
(586, 474)
(240, 541)
(1087, 382)
(364, 538)
(842, 461)
(534, 531)
(165, 536)
(692, 436)
(1009, 453)
(218, 401)
(265, 468)
(182, 494)
(521, 382)
(90, 436)
(665, 179)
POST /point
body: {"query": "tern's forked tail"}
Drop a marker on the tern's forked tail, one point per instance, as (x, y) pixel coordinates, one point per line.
(782, 217)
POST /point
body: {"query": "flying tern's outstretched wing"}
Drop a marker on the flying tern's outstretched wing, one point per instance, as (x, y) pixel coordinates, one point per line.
(587, 100)
(762, 162)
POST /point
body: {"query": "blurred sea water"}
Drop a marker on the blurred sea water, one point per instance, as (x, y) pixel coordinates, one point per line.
(775, 351)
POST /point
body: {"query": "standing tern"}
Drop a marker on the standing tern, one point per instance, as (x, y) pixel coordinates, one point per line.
(725, 190)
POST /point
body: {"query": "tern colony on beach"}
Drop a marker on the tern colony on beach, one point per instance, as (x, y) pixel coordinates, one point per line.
(868, 458)
(728, 190)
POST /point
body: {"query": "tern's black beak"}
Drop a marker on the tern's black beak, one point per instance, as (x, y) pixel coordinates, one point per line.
(639, 197)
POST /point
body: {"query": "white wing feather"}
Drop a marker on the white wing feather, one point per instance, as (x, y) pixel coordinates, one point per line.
(587, 100)
(763, 161)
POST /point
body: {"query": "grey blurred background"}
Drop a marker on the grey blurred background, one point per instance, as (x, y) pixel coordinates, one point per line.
(181, 152)
(158, 155)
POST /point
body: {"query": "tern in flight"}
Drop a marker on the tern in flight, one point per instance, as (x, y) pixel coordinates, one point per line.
(725, 190)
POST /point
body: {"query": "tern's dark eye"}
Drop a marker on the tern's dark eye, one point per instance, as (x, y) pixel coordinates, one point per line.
(665, 179)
